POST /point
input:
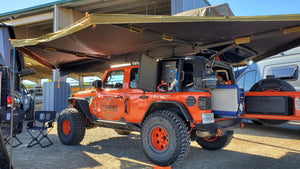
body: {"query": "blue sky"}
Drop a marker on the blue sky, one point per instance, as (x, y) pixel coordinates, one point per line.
(261, 7)
(239, 7)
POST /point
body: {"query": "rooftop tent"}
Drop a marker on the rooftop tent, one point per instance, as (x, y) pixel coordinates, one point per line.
(98, 39)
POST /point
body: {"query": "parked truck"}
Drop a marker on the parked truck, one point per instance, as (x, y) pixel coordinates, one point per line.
(170, 101)
(23, 102)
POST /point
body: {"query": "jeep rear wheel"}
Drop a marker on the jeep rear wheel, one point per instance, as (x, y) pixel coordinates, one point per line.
(71, 126)
(165, 138)
(215, 142)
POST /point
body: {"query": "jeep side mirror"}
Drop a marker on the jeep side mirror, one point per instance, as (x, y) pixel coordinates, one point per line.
(97, 84)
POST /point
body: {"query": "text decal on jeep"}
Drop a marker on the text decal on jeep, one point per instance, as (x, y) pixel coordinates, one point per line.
(109, 107)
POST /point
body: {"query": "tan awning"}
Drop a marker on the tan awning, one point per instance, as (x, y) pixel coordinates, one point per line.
(105, 38)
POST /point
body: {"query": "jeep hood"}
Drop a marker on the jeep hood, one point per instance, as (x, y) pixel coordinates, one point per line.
(99, 40)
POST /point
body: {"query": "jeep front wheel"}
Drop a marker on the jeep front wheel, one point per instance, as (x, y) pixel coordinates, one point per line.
(215, 142)
(71, 126)
(165, 138)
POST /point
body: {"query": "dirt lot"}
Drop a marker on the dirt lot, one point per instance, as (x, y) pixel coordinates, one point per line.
(256, 146)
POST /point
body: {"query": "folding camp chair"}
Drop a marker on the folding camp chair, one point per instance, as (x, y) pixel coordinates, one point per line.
(46, 119)
(17, 120)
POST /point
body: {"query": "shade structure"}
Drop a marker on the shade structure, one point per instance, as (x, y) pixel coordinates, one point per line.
(99, 40)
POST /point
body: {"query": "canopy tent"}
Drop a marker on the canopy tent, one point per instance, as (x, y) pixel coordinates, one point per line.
(92, 42)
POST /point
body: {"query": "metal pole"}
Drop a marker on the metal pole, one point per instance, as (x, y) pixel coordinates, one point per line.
(12, 89)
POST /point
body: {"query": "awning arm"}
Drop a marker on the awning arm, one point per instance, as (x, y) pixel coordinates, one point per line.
(78, 54)
(35, 57)
(162, 36)
(246, 39)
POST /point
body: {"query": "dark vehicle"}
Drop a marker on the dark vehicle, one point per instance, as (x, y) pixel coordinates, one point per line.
(23, 102)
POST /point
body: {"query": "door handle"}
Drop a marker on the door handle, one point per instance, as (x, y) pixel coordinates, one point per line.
(118, 96)
(144, 97)
(125, 103)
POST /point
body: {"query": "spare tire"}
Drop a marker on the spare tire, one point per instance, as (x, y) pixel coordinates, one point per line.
(272, 85)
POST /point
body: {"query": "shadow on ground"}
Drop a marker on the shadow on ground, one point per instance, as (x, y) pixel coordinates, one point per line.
(103, 148)
(285, 131)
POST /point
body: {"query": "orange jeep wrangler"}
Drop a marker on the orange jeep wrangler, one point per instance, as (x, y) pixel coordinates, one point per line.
(170, 101)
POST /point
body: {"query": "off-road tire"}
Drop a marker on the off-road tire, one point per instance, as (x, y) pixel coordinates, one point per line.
(271, 84)
(176, 132)
(122, 132)
(215, 143)
(76, 122)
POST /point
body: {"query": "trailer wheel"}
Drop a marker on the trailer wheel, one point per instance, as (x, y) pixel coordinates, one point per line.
(122, 132)
(71, 126)
(271, 85)
(165, 138)
(216, 142)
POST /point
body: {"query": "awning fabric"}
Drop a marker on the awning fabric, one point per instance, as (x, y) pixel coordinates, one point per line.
(98, 40)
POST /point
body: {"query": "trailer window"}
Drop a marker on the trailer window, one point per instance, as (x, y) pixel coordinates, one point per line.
(114, 79)
(284, 72)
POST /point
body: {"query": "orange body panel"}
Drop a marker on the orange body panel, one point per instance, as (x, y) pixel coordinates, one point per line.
(109, 104)
(294, 95)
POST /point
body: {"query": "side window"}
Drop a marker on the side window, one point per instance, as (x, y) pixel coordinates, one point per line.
(284, 72)
(133, 78)
(114, 79)
(249, 81)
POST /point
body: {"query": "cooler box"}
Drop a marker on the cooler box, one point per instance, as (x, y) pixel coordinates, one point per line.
(227, 100)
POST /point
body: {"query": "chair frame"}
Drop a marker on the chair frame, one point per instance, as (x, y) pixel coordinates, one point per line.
(48, 117)
(6, 119)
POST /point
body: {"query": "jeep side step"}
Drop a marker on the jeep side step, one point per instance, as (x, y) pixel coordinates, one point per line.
(118, 125)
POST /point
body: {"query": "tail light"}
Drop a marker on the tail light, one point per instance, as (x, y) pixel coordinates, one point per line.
(204, 103)
(9, 102)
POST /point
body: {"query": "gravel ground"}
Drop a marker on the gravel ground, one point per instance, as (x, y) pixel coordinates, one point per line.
(256, 146)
